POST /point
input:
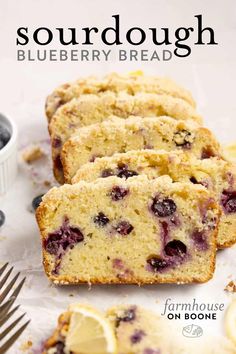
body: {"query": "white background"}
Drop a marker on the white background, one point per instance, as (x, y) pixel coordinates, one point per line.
(210, 73)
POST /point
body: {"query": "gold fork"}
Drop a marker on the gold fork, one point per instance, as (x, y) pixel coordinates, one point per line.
(9, 295)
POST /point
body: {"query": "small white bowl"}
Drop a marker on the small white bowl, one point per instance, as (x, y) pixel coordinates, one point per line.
(8, 156)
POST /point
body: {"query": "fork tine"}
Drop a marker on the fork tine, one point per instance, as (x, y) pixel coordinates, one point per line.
(3, 268)
(8, 315)
(8, 304)
(18, 288)
(6, 307)
(11, 326)
(3, 281)
(13, 338)
(8, 288)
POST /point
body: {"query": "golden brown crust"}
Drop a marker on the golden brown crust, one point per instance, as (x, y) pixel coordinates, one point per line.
(113, 82)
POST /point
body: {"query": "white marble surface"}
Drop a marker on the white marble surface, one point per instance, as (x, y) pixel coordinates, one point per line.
(210, 73)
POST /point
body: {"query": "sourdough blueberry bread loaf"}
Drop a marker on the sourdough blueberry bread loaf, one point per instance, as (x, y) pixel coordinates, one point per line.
(135, 133)
(132, 83)
(90, 109)
(215, 174)
(128, 231)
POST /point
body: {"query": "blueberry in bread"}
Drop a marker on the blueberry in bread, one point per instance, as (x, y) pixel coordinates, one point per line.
(215, 174)
(90, 109)
(128, 231)
(131, 83)
(135, 133)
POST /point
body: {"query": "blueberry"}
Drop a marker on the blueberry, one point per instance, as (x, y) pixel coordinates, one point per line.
(164, 207)
(36, 201)
(175, 248)
(66, 237)
(137, 336)
(193, 180)
(199, 239)
(151, 351)
(52, 244)
(183, 138)
(123, 172)
(4, 136)
(101, 219)
(128, 316)
(228, 200)
(124, 228)
(60, 348)
(118, 193)
(156, 263)
(107, 173)
(2, 218)
(203, 183)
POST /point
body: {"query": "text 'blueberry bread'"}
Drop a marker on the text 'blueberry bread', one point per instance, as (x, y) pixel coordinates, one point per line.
(135, 133)
(131, 83)
(129, 231)
(215, 174)
(90, 109)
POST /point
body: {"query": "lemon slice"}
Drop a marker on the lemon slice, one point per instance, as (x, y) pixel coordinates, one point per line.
(230, 321)
(89, 332)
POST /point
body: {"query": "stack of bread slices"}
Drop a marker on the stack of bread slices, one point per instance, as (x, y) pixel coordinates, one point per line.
(148, 195)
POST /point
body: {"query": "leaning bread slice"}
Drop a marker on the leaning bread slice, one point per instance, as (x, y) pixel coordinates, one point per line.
(90, 109)
(128, 231)
(215, 174)
(135, 133)
(131, 83)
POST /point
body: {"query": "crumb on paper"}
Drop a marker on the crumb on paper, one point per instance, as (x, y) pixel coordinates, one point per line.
(47, 183)
(26, 346)
(71, 295)
(231, 287)
(32, 153)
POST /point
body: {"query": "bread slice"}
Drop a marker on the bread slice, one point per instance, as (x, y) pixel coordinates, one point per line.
(128, 231)
(217, 175)
(131, 83)
(135, 133)
(142, 331)
(90, 109)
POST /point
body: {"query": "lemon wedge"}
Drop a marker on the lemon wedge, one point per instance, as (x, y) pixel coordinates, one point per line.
(230, 321)
(89, 332)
